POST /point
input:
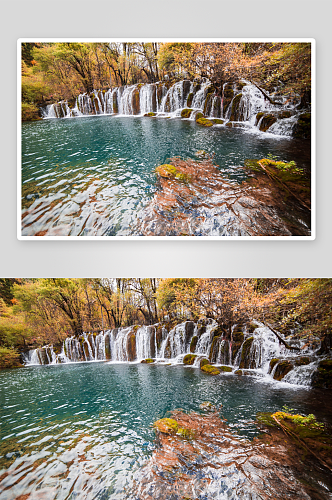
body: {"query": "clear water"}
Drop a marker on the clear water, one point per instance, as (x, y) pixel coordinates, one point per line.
(91, 175)
(87, 427)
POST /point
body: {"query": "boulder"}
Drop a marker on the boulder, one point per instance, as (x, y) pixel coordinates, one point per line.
(322, 378)
(282, 369)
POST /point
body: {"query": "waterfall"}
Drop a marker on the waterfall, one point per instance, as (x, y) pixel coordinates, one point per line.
(242, 104)
(258, 353)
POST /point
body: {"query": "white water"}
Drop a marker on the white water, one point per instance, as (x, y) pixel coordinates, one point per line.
(134, 344)
(173, 100)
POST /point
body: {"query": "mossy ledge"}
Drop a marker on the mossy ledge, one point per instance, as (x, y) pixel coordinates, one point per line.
(211, 370)
(189, 359)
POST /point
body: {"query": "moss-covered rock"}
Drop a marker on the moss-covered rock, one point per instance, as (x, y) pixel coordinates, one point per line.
(284, 114)
(115, 103)
(189, 359)
(171, 427)
(225, 368)
(245, 353)
(303, 360)
(203, 362)
(322, 378)
(267, 121)
(217, 121)
(135, 102)
(282, 369)
(214, 349)
(147, 361)
(151, 114)
(302, 129)
(272, 364)
(237, 340)
(131, 346)
(204, 122)
(185, 113)
(228, 94)
(193, 343)
(258, 117)
(170, 172)
(235, 115)
(211, 370)
(190, 99)
(238, 372)
(207, 104)
(166, 425)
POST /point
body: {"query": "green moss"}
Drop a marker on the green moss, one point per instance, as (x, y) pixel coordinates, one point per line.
(189, 359)
(150, 114)
(214, 341)
(285, 114)
(258, 117)
(204, 122)
(304, 360)
(245, 352)
(235, 108)
(166, 425)
(185, 113)
(198, 116)
(190, 99)
(225, 368)
(203, 362)
(193, 343)
(282, 369)
(186, 433)
(238, 372)
(265, 418)
(304, 426)
(267, 121)
(207, 103)
(170, 172)
(217, 121)
(170, 426)
(211, 370)
(273, 362)
(147, 360)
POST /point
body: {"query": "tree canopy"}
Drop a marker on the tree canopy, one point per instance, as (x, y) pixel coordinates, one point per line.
(62, 70)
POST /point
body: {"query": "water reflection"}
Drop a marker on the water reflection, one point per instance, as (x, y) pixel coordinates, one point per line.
(91, 176)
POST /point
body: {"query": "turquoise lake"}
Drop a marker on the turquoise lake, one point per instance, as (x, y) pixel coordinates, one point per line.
(87, 427)
(91, 176)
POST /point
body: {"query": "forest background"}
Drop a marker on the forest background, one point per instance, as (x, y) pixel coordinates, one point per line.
(35, 312)
(62, 70)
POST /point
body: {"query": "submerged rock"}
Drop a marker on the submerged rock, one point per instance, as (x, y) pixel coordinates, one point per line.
(216, 464)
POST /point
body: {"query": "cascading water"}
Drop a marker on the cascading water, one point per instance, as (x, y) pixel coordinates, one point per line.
(258, 353)
(247, 108)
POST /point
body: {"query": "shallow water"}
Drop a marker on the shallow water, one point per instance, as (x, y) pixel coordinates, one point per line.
(92, 175)
(86, 427)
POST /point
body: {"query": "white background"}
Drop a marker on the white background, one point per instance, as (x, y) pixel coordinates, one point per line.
(172, 18)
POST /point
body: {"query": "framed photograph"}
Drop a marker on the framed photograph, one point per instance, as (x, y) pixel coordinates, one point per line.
(173, 388)
(151, 138)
